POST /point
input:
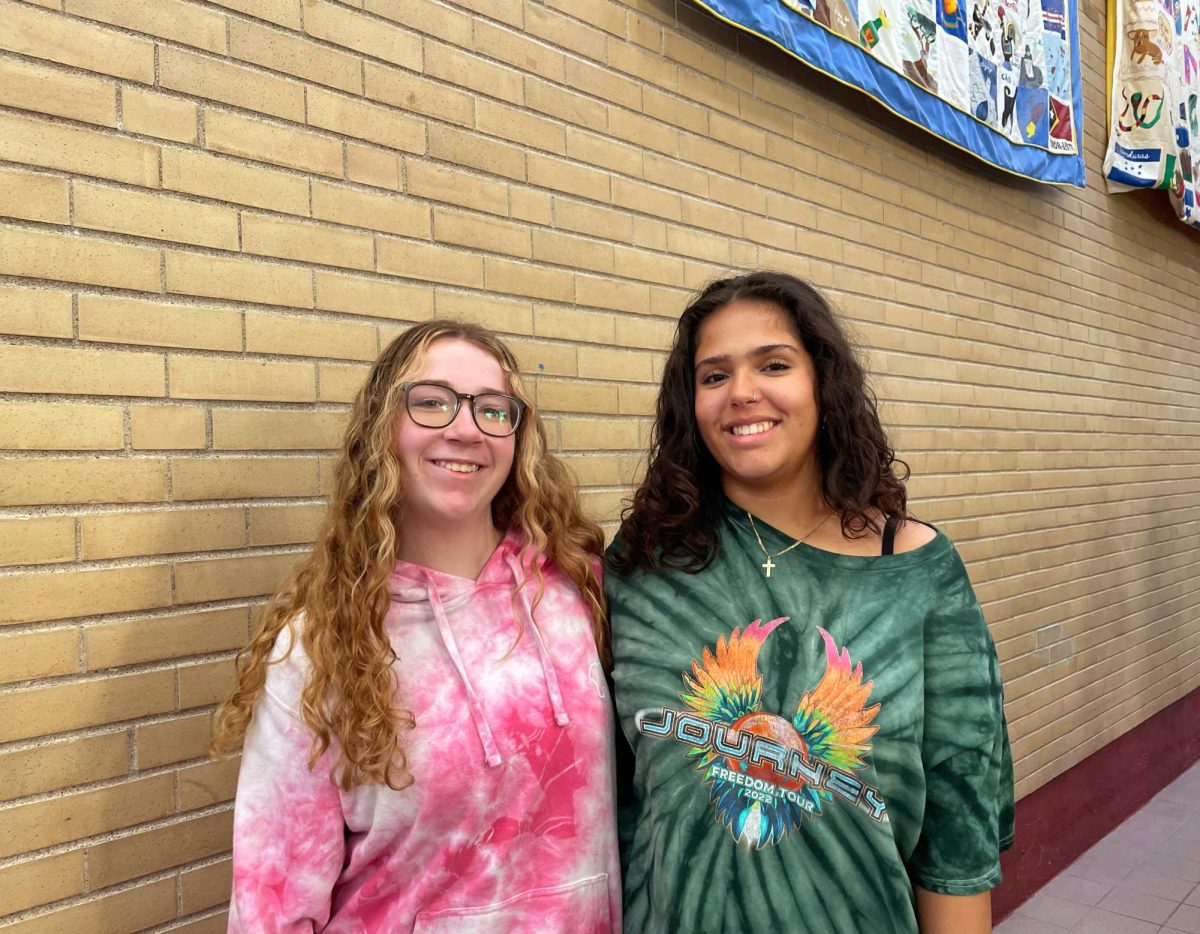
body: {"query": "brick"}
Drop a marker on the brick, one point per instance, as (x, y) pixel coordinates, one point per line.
(75, 371)
(117, 320)
(49, 91)
(41, 254)
(509, 317)
(378, 297)
(565, 105)
(566, 323)
(40, 881)
(45, 540)
(240, 279)
(197, 173)
(644, 332)
(371, 166)
(35, 312)
(545, 358)
(536, 207)
(416, 94)
(284, 525)
(121, 912)
(206, 886)
(517, 49)
(201, 684)
(228, 578)
(33, 597)
(559, 175)
(293, 55)
(175, 740)
(281, 12)
(141, 214)
(273, 430)
(568, 250)
(152, 114)
(160, 848)
(596, 434)
(481, 233)
(64, 763)
(41, 34)
(81, 480)
(434, 19)
(210, 783)
(127, 534)
(562, 31)
(649, 267)
(363, 34)
(637, 196)
(167, 19)
(477, 152)
(353, 117)
(212, 924)
(243, 477)
(601, 363)
(356, 208)
(598, 292)
(257, 380)
(515, 278)
(637, 400)
(219, 80)
(305, 336)
(287, 146)
(61, 426)
(449, 183)
(45, 654)
(165, 428)
(313, 243)
(339, 382)
(563, 396)
(462, 69)
(430, 262)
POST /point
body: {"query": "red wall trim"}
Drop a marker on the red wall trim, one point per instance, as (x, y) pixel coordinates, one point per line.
(1063, 818)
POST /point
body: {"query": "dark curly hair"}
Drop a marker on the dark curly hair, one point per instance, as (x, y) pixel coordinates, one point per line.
(673, 519)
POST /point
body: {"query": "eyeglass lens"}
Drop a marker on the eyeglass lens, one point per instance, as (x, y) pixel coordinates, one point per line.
(434, 406)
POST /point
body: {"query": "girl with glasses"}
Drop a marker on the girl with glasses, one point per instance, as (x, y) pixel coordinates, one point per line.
(427, 733)
(808, 687)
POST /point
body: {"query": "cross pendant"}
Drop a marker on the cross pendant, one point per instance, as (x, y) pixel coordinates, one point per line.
(768, 566)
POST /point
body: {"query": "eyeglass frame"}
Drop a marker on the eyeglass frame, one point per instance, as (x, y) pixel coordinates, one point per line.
(521, 407)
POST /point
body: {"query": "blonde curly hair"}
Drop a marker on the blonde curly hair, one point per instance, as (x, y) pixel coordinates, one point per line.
(341, 589)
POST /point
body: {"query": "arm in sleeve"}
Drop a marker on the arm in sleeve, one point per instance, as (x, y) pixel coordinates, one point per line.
(968, 817)
(288, 829)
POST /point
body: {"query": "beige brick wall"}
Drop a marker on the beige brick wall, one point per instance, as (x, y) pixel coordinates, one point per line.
(215, 213)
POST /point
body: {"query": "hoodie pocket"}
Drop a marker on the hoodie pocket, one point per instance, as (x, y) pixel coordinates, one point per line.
(575, 908)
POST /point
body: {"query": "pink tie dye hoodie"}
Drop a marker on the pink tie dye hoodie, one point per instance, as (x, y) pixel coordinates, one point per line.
(509, 826)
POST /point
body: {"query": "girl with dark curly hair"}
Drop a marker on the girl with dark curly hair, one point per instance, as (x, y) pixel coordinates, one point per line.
(809, 690)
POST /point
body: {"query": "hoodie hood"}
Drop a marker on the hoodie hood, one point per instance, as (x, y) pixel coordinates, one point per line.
(506, 569)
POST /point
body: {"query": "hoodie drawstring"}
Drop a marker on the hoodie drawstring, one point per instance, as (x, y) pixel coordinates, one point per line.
(491, 751)
(548, 672)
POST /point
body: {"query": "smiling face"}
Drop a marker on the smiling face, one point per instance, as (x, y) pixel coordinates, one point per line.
(452, 474)
(756, 400)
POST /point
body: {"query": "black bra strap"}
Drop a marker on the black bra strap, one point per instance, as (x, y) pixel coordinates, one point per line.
(889, 534)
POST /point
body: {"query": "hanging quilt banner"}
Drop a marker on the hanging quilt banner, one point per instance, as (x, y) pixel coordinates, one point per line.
(1154, 81)
(997, 78)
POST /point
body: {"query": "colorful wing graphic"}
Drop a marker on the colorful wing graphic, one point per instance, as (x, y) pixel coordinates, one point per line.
(725, 688)
(832, 718)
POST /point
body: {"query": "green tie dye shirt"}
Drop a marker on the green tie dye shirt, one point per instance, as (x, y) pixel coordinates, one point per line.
(808, 747)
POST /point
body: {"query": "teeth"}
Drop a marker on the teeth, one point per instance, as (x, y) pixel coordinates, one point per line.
(458, 468)
(756, 429)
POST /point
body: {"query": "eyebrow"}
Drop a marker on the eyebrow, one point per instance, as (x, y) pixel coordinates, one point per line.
(719, 359)
(486, 391)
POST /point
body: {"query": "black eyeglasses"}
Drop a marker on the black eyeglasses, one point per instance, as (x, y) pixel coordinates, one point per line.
(433, 405)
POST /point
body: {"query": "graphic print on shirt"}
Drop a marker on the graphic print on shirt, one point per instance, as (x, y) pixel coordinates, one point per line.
(767, 773)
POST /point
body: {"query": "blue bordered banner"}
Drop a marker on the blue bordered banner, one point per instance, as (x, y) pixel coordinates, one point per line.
(997, 78)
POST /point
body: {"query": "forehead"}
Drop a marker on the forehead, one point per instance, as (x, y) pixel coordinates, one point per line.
(743, 325)
(463, 364)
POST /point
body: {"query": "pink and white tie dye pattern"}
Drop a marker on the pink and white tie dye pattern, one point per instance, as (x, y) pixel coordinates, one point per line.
(527, 845)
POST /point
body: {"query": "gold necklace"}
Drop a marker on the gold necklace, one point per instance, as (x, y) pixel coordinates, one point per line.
(769, 565)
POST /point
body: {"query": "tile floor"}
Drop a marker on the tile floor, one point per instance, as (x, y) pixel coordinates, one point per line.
(1143, 878)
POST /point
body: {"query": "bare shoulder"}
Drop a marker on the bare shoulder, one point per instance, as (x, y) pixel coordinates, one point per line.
(911, 535)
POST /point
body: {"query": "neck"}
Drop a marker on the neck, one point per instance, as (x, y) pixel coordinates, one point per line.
(793, 510)
(458, 550)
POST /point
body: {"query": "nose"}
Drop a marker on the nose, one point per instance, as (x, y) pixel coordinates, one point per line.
(743, 388)
(463, 427)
